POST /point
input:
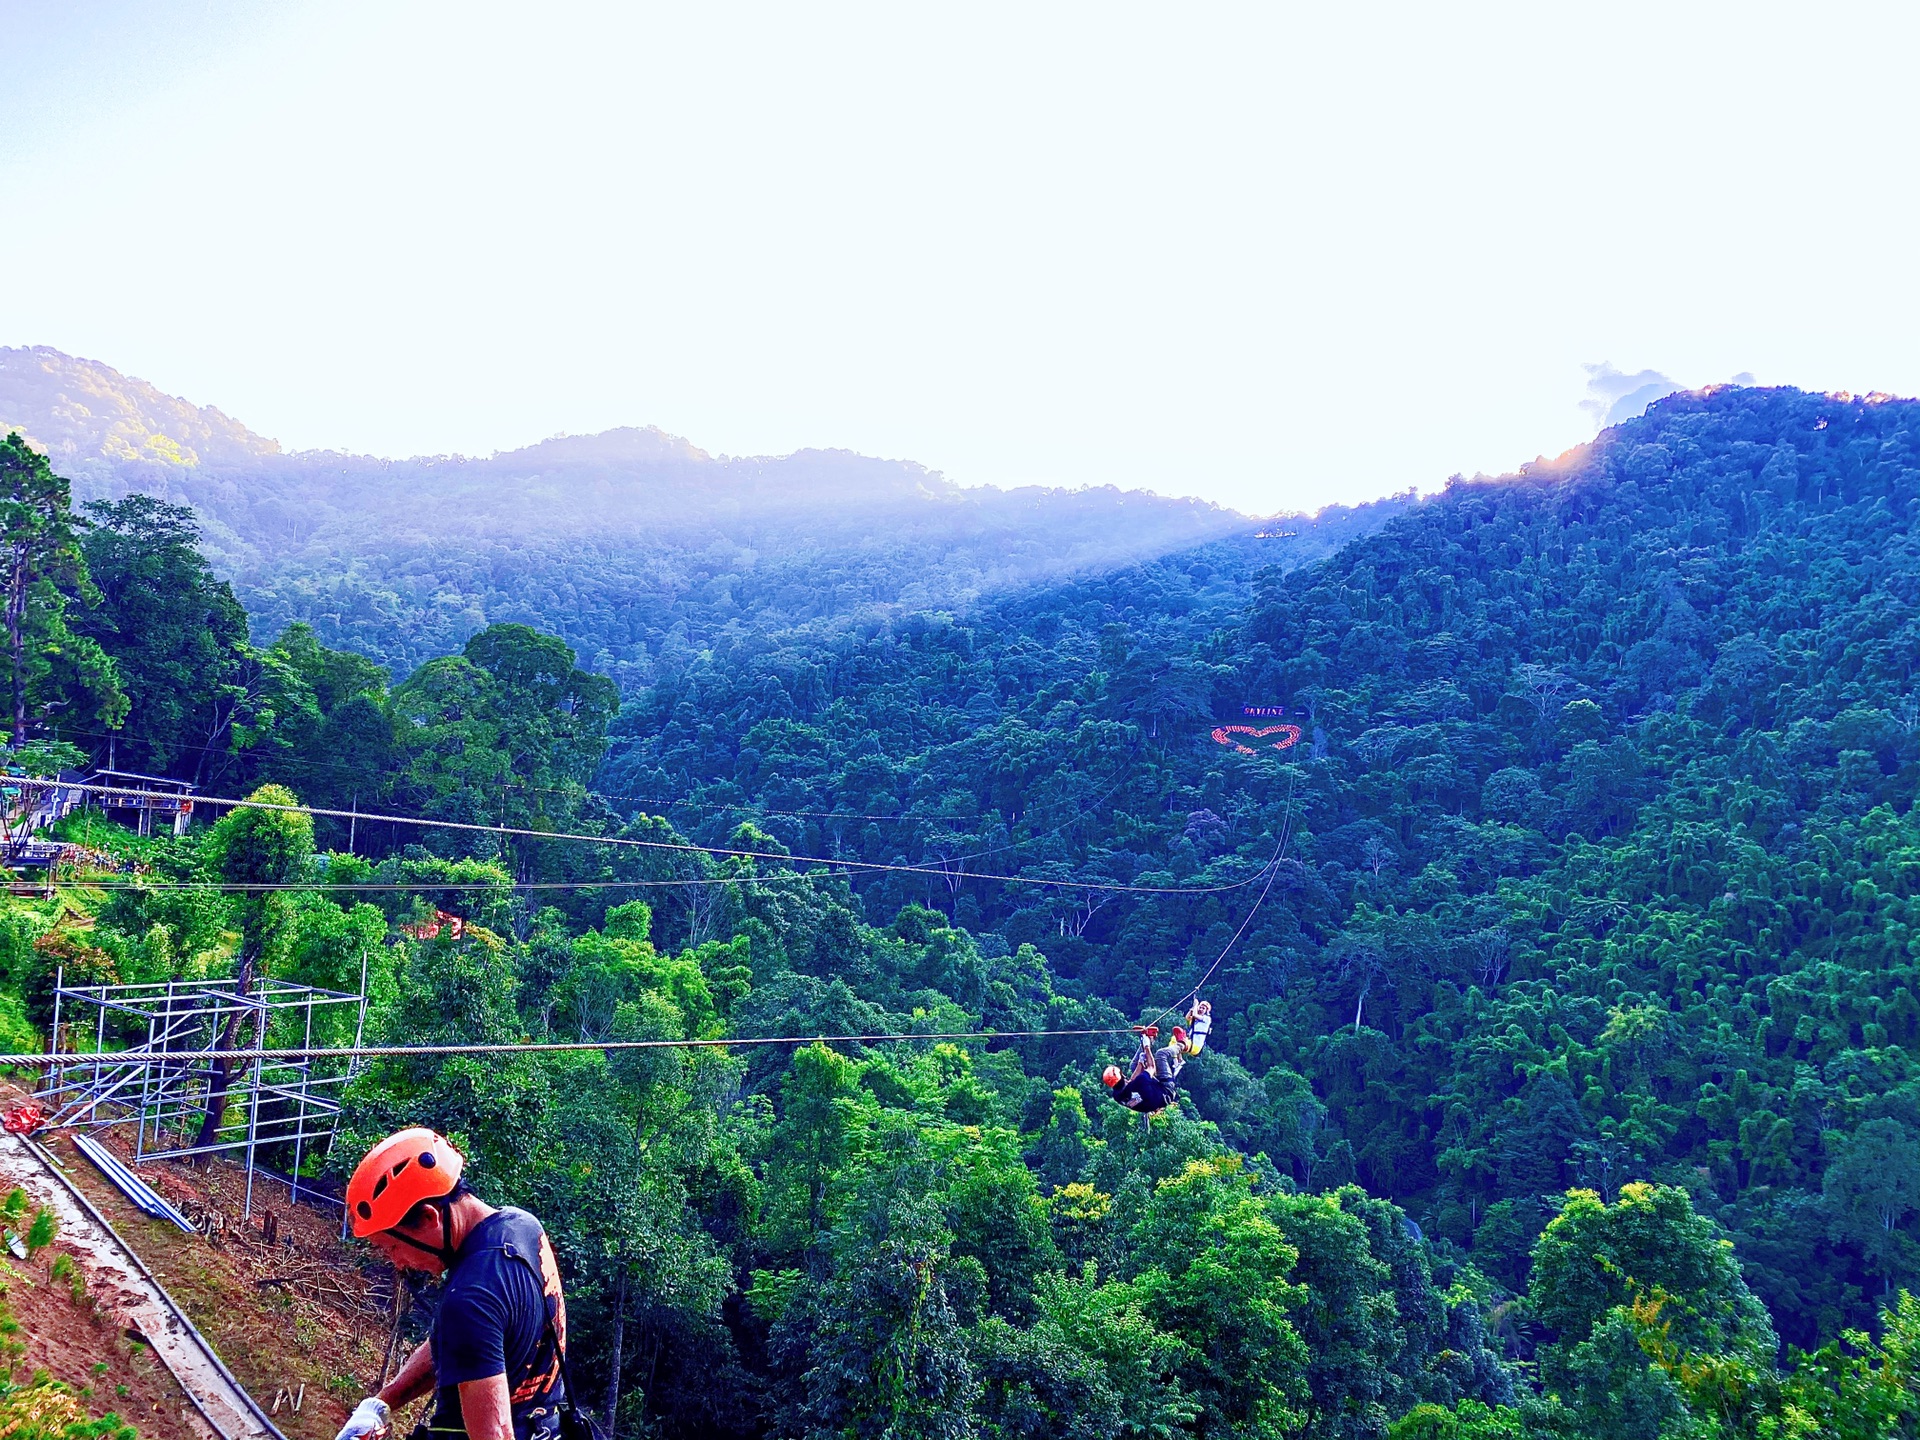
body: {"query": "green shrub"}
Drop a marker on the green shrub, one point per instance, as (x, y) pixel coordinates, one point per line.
(40, 1234)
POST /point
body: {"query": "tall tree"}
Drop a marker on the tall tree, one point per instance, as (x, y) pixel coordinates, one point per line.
(509, 732)
(1873, 1186)
(40, 549)
(176, 633)
(260, 847)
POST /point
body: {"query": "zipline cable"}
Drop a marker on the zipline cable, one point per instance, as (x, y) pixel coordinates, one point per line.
(1272, 873)
(185, 1058)
(29, 1060)
(265, 887)
(519, 832)
(1080, 813)
(587, 793)
(213, 885)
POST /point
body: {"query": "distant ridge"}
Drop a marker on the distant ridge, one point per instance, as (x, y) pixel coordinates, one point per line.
(113, 434)
(77, 411)
(637, 546)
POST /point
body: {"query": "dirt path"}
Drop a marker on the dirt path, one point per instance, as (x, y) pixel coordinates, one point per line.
(132, 1302)
(288, 1308)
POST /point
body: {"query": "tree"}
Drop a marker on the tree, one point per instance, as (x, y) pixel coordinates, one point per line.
(1348, 1320)
(810, 1143)
(1036, 1383)
(1594, 1258)
(254, 846)
(507, 733)
(1603, 1273)
(175, 633)
(1139, 1357)
(1872, 1187)
(1469, 1420)
(553, 716)
(888, 1357)
(1060, 1153)
(1217, 1275)
(332, 732)
(47, 662)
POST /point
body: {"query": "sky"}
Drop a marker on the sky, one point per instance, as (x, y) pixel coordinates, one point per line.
(1274, 255)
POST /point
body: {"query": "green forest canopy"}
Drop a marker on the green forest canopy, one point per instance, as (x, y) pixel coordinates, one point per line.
(1588, 953)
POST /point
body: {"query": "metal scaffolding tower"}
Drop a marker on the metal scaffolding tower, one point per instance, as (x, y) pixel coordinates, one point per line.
(155, 1064)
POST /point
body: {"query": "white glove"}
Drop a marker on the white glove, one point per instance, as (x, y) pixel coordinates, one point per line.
(370, 1418)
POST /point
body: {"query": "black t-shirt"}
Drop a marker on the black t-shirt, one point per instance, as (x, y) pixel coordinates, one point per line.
(493, 1321)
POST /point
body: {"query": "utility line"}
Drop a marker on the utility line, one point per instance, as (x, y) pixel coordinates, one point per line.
(723, 852)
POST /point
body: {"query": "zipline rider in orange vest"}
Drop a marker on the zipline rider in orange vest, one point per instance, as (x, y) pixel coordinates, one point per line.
(496, 1356)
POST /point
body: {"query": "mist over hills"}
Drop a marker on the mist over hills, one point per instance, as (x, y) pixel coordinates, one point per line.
(635, 545)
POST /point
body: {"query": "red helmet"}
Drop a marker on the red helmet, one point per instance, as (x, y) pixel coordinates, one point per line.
(1179, 1036)
(1110, 1076)
(396, 1175)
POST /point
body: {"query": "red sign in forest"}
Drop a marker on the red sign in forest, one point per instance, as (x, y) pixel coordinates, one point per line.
(1289, 736)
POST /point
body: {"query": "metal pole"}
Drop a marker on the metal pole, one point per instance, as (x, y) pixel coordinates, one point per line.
(360, 1024)
(253, 1098)
(146, 1088)
(253, 1126)
(353, 1067)
(166, 1043)
(99, 1045)
(300, 1125)
(59, 1072)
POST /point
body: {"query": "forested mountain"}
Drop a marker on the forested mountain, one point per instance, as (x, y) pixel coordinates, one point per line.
(1564, 1081)
(637, 548)
(1600, 832)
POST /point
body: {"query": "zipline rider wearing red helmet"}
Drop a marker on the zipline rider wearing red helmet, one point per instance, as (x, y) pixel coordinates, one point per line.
(497, 1350)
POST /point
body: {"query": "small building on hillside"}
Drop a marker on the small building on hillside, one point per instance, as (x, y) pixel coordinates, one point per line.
(136, 801)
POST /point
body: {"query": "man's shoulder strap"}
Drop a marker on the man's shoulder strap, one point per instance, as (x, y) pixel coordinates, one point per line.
(532, 1262)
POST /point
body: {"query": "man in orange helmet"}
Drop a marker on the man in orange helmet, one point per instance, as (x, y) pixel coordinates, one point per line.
(496, 1356)
(1149, 1086)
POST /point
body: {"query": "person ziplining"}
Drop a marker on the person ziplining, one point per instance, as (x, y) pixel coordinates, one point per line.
(1151, 1083)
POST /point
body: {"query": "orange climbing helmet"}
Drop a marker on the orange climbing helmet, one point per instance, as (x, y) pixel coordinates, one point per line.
(1110, 1076)
(396, 1175)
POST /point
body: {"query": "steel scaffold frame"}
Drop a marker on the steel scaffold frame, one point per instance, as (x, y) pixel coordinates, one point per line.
(172, 1034)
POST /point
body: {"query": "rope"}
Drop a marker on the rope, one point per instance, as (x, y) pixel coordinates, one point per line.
(41, 1060)
(1272, 873)
(471, 827)
(83, 1059)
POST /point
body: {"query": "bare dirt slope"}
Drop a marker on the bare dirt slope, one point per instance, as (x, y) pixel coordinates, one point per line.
(296, 1314)
(80, 1335)
(87, 1317)
(292, 1312)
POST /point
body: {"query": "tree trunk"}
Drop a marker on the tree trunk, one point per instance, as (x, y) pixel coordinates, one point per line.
(619, 1339)
(17, 643)
(222, 1072)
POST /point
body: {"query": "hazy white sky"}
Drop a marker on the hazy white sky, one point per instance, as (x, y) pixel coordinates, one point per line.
(1275, 255)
